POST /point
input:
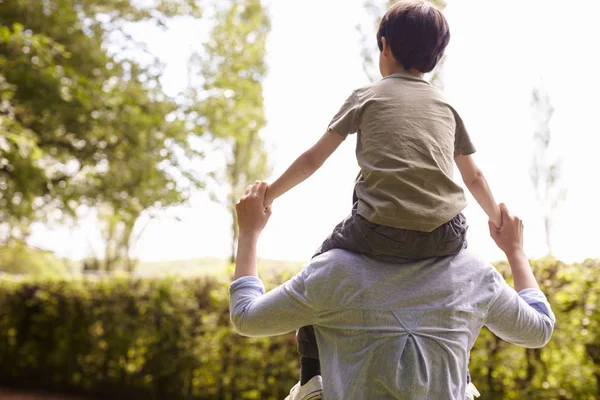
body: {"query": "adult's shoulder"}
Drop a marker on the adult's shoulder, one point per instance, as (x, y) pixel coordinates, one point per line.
(333, 259)
(335, 265)
(474, 260)
(480, 271)
(327, 272)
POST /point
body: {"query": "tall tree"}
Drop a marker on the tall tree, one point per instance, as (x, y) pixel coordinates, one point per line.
(376, 9)
(545, 169)
(82, 122)
(233, 68)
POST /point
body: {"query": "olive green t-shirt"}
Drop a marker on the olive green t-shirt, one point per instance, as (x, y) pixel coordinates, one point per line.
(408, 136)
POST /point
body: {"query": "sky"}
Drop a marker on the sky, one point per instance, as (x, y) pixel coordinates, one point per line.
(499, 51)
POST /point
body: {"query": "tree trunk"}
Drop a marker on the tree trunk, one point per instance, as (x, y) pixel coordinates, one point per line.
(490, 376)
(234, 233)
(548, 228)
(593, 351)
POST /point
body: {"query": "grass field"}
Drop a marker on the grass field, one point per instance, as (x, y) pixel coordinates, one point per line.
(209, 266)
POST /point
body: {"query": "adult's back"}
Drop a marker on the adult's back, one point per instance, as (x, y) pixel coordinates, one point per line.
(394, 329)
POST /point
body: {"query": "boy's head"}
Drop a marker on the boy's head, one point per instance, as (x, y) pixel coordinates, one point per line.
(414, 34)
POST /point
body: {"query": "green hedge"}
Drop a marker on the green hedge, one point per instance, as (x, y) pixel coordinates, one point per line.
(171, 339)
(146, 339)
(569, 366)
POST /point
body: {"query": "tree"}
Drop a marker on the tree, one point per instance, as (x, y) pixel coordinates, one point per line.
(545, 169)
(84, 125)
(376, 9)
(233, 68)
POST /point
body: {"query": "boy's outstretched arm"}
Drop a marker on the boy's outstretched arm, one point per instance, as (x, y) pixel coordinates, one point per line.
(477, 185)
(305, 165)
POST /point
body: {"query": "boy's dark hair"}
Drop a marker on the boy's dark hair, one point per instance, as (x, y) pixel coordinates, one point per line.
(417, 33)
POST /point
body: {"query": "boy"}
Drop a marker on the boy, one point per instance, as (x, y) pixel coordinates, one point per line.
(405, 201)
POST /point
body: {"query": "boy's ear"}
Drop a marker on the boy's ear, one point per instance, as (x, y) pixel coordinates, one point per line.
(385, 47)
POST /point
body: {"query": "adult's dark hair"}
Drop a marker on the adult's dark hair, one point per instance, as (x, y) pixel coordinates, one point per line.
(417, 33)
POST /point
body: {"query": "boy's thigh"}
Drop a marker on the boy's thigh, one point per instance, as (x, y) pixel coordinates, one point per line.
(445, 240)
(452, 236)
(348, 235)
(389, 241)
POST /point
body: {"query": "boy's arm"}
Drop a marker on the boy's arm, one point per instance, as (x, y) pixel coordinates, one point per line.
(477, 185)
(305, 165)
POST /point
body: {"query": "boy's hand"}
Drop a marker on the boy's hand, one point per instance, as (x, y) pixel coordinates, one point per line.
(509, 237)
(251, 212)
(497, 219)
(268, 196)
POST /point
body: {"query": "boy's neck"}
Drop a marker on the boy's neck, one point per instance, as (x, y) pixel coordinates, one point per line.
(399, 69)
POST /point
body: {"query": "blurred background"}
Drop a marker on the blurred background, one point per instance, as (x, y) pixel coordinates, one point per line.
(129, 129)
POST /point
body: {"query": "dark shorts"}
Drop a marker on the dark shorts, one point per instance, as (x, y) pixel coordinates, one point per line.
(357, 234)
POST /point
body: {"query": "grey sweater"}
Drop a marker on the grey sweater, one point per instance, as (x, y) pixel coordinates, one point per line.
(399, 330)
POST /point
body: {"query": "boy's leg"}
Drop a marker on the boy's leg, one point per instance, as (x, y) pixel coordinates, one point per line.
(348, 235)
(450, 238)
(309, 354)
(338, 239)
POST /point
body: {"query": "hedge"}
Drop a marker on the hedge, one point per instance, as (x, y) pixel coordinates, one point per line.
(136, 339)
(171, 338)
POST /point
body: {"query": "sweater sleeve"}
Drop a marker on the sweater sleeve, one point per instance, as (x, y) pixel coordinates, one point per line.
(283, 309)
(523, 318)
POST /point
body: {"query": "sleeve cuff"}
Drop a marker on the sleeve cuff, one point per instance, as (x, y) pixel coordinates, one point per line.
(247, 282)
(464, 151)
(537, 300)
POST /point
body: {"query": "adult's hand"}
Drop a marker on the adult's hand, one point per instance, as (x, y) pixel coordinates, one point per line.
(510, 240)
(251, 211)
(509, 237)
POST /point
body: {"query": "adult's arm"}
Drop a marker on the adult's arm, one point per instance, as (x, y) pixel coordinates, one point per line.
(509, 238)
(254, 312)
(283, 309)
(525, 318)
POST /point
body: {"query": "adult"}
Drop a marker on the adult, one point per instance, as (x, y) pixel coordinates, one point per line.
(391, 329)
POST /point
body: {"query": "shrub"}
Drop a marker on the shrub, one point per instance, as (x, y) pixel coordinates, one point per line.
(171, 338)
(151, 338)
(569, 366)
(18, 258)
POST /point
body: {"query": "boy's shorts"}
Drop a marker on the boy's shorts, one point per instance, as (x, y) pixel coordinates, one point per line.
(357, 234)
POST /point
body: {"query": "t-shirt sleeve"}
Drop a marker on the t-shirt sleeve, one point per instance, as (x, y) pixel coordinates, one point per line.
(462, 142)
(347, 119)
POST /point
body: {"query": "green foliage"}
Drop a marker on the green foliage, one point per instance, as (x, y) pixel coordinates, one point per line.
(233, 68)
(137, 339)
(569, 366)
(18, 258)
(82, 122)
(171, 338)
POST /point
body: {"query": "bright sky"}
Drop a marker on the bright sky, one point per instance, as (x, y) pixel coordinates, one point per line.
(498, 52)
